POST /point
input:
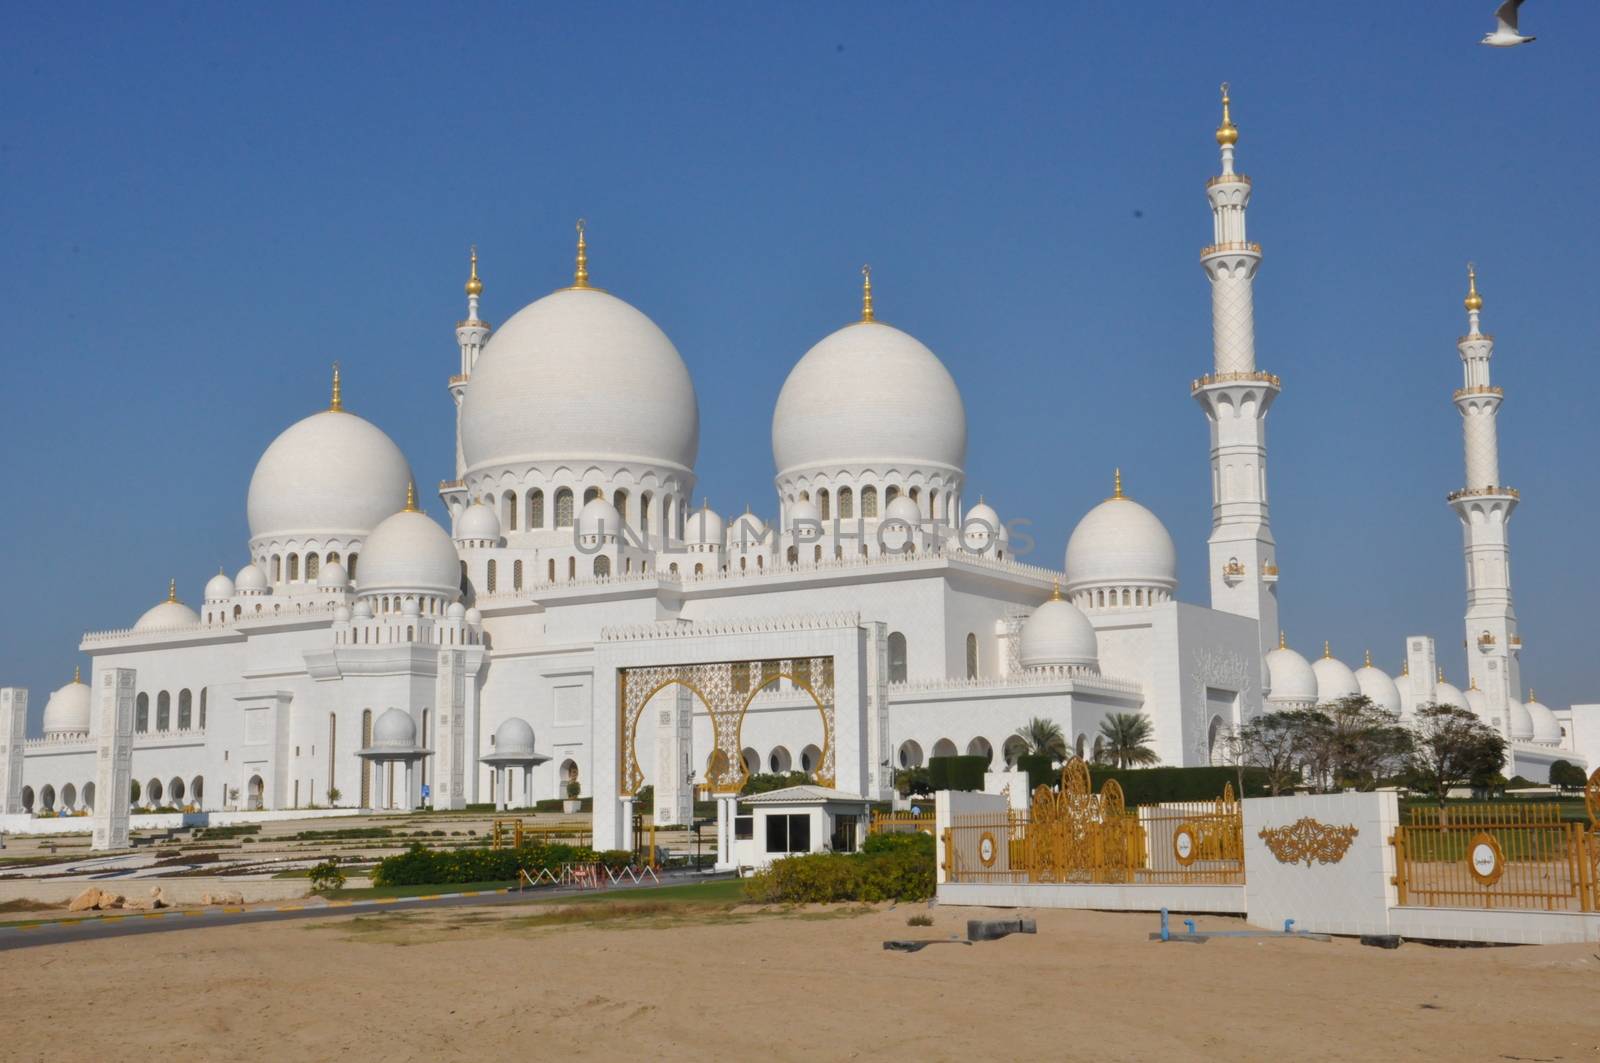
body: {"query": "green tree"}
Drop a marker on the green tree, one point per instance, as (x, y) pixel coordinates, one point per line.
(1275, 742)
(1352, 743)
(1450, 746)
(1567, 776)
(1043, 737)
(1125, 740)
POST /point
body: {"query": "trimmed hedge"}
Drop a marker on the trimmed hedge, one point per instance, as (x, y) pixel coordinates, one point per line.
(420, 867)
(890, 867)
(1041, 770)
(1149, 786)
(957, 773)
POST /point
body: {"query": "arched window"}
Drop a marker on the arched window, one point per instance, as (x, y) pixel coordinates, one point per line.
(742, 564)
(916, 494)
(668, 518)
(489, 576)
(793, 555)
(891, 493)
(331, 557)
(699, 570)
(933, 503)
(141, 713)
(516, 575)
(760, 562)
(185, 710)
(202, 708)
(847, 507)
(869, 501)
(817, 553)
(644, 511)
(897, 657)
(564, 508)
(311, 567)
(508, 511)
(672, 569)
(294, 568)
(550, 575)
(602, 565)
(163, 711)
(590, 494)
(822, 504)
(350, 567)
(972, 656)
(277, 569)
(535, 509)
(619, 502)
(572, 568)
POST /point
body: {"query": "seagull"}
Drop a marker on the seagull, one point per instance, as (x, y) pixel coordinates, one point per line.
(1505, 34)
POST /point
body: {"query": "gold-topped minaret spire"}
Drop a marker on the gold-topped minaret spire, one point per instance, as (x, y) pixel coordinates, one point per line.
(1116, 486)
(1473, 301)
(411, 496)
(474, 284)
(580, 276)
(336, 403)
(1227, 132)
(866, 294)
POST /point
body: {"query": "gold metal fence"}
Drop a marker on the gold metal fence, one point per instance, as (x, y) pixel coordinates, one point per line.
(902, 823)
(1076, 836)
(1498, 856)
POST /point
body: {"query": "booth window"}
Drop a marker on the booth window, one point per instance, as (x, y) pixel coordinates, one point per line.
(844, 834)
(789, 834)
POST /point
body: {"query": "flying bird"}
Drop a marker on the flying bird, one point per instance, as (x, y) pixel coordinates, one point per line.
(1505, 33)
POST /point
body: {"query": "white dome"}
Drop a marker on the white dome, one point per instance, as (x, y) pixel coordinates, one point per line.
(395, 729)
(1058, 634)
(478, 521)
(1546, 728)
(410, 607)
(250, 580)
(748, 532)
(341, 614)
(219, 587)
(1117, 542)
(1478, 702)
(599, 518)
(1378, 687)
(1335, 680)
(332, 474)
(1290, 678)
(981, 527)
(1521, 722)
(513, 738)
(362, 610)
(704, 527)
(473, 617)
(409, 552)
(456, 611)
(169, 614)
(903, 507)
(332, 576)
(869, 394)
(803, 509)
(580, 375)
(68, 710)
(1447, 694)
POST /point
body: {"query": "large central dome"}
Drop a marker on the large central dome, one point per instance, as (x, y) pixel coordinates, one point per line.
(580, 376)
(869, 394)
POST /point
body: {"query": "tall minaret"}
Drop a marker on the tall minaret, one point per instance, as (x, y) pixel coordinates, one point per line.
(1485, 505)
(1236, 397)
(471, 335)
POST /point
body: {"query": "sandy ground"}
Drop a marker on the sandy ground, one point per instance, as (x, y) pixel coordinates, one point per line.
(682, 983)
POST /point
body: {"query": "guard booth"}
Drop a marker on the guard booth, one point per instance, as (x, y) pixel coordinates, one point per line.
(801, 819)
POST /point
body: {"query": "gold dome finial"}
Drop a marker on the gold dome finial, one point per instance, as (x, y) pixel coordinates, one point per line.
(1474, 685)
(1327, 650)
(866, 294)
(1405, 666)
(1055, 590)
(1441, 674)
(1116, 485)
(336, 404)
(1531, 697)
(1473, 301)
(580, 276)
(1283, 641)
(474, 285)
(172, 590)
(77, 674)
(1227, 132)
(411, 496)
(1369, 659)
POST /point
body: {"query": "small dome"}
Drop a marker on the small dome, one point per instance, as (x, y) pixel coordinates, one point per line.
(1378, 687)
(748, 531)
(478, 521)
(1521, 722)
(1291, 680)
(704, 527)
(903, 507)
(514, 738)
(410, 607)
(250, 580)
(362, 610)
(341, 614)
(580, 376)
(395, 729)
(333, 577)
(600, 519)
(869, 394)
(1058, 634)
(981, 527)
(1478, 702)
(1335, 680)
(68, 710)
(1447, 694)
(167, 615)
(803, 509)
(1546, 728)
(1118, 542)
(456, 611)
(219, 587)
(409, 552)
(331, 474)
(473, 617)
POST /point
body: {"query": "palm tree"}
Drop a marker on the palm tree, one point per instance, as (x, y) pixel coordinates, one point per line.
(1043, 736)
(1125, 740)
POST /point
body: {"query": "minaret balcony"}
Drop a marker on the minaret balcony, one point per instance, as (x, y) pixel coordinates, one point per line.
(1269, 572)
(452, 485)
(1515, 642)
(1228, 179)
(1231, 246)
(459, 379)
(1486, 642)
(1233, 573)
(1271, 379)
(1479, 389)
(1492, 491)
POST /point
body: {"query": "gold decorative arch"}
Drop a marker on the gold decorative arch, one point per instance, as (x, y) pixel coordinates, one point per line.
(726, 702)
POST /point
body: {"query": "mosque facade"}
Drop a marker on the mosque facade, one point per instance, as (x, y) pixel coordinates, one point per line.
(366, 654)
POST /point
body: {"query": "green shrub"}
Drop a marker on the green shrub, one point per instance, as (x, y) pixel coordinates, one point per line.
(326, 876)
(922, 919)
(1151, 786)
(762, 783)
(419, 867)
(889, 867)
(957, 773)
(908, 781)
(1040, 768)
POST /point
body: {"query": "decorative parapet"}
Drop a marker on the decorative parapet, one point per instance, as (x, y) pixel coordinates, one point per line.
(452, 485)
(205, 629)
(749, 626)
(56, 741)
(1237, 378)
(1482, 337)
(1310, 841)
(1482, 492)
(1479, 389)
(1230, 245)
(460, 378)
(1080, 678)
(1227, 179)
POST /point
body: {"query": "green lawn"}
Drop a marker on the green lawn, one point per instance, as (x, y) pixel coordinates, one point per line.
(375, 892)
(720, 891)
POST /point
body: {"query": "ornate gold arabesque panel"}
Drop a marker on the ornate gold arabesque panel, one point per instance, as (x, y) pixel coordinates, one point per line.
(725, 689)
(1309, 840)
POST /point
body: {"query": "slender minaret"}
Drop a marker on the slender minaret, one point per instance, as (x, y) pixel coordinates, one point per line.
(1236, 397)
(1484, 505)
(471, 335)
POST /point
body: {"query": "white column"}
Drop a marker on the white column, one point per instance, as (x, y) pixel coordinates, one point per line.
(13, 737)
(527, 786)
(113, 758)
(627, 822)
(410, 801)
(725, 816)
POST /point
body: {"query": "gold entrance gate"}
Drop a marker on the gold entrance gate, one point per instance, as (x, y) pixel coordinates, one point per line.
(725, 689)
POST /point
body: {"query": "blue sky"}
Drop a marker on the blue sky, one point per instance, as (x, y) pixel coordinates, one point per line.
(203, 206)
